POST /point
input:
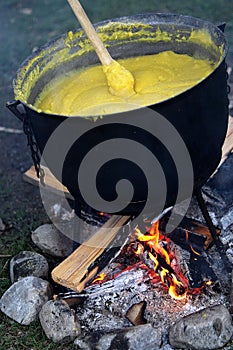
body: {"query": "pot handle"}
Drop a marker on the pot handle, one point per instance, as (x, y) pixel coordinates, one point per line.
(17, 108)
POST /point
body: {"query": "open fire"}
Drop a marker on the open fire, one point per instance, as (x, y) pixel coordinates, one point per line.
(153, 251)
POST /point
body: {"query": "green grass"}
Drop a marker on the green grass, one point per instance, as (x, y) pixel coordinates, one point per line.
(16, 239)
(21, 219)
(26, 337)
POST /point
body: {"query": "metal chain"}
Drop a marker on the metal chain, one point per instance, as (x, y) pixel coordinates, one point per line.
(33, 148)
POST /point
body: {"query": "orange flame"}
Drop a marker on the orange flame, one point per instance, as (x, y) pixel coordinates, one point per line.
(139, 249)
(151, 239)
(164, 264)
(154, 259)
(209, 283)
(99, 278)
(174, 287)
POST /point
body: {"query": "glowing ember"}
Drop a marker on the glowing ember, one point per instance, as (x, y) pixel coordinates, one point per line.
(152, 251)
(209, 283)
(194, 251)
(153, 242)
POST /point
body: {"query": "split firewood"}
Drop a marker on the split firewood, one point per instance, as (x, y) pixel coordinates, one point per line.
(228, 143)
(74, 272)
(135, 314)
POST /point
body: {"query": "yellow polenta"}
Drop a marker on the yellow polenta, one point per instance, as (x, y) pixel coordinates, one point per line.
(158, 77)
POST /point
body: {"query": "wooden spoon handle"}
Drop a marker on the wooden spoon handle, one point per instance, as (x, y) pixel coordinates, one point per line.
(88, 28)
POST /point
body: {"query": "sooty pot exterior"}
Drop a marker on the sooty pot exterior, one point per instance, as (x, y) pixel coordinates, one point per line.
(199, 116)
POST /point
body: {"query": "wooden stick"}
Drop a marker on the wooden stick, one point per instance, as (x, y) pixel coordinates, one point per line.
(88, 28)
(120, 81)
(227, 147)
(50, 182)
(74, 272)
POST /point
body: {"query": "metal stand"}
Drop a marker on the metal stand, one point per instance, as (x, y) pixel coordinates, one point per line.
(216, 240)
(205, 213)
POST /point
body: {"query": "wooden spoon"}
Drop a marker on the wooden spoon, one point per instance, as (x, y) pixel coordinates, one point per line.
(120, 80)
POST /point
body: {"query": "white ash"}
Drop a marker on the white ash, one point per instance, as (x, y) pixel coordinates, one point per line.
(107, 308)
(229, 254)
(125, 280)
(227, 219)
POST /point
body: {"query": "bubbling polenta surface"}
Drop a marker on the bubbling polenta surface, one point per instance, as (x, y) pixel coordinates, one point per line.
(158, 77)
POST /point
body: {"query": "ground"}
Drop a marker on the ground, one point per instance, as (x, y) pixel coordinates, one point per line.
(25, 25)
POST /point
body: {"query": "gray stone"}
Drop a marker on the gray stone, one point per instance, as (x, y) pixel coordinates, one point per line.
(133, 338)
(59, 321)
(2, 225)
(81, 344)
(107, 340)
(24, 299)
(166, 347)
(28, 263)
(210, 328)
(52, 241)
(143, 337)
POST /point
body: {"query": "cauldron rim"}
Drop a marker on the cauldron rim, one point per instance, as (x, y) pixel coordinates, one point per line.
(145, 18)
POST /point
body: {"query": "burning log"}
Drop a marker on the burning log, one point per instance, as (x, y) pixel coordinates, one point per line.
(197, 231)
(156, 257)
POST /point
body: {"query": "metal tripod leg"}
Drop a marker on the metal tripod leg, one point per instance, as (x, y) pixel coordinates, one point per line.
(216, 240)
(206, 215)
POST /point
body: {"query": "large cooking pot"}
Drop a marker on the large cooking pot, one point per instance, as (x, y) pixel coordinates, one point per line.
(199, 115)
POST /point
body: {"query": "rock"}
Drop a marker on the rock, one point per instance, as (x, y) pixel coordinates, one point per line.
(144, 336)
(210, 328)
(166, 347)
(133, 338)
(81, 344)
(52, 241)
(59, 321)
(2, 225)
(28, 263)
(24, 299)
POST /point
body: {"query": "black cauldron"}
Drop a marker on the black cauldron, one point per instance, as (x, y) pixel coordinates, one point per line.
(199, 115)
